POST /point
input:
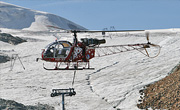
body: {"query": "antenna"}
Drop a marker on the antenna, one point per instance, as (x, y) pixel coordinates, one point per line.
(63, 92)
(104, 33)
(13, 58)
(112, 28)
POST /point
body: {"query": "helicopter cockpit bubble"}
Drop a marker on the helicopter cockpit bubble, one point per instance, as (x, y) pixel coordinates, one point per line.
(57, 49)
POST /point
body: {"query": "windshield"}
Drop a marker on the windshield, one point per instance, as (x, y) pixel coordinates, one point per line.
(59, 49)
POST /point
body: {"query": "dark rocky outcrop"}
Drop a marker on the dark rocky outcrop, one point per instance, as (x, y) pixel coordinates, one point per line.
(8, 38)
(12, 105)
(4, 59)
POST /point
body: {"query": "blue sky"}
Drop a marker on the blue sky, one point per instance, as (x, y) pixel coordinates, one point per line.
(122, 14)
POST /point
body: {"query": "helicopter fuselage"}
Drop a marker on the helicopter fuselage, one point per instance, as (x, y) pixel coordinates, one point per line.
(64, 51)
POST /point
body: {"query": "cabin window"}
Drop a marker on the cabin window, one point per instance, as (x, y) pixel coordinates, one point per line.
(58, 50)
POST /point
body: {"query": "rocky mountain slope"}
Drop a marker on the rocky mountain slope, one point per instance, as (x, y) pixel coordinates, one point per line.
(164, 94)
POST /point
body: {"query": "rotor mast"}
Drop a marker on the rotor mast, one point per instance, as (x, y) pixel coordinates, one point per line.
(75, 37)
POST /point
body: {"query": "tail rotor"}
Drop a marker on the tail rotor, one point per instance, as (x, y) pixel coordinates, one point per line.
(151, 50)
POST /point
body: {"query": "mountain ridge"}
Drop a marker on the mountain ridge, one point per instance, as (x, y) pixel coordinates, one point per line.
(16, 17)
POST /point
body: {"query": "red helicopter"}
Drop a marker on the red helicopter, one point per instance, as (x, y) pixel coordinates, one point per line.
(78, 52)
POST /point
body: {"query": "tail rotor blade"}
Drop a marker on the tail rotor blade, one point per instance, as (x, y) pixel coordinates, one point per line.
(155, 45)
(153, 51)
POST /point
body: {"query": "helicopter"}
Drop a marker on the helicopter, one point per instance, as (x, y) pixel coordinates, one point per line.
(72, 55)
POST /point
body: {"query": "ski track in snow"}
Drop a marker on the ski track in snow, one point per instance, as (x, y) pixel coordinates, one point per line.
(89, 75)
(89, 80)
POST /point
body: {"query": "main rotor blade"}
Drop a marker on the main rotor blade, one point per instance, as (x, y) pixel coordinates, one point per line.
(92, 31)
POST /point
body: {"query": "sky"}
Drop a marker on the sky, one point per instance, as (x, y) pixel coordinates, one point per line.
(120, 14)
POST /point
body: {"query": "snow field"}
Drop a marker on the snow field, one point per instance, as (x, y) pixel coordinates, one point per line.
(115, 82)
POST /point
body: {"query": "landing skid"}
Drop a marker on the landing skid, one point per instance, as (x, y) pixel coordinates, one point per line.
(67, 68)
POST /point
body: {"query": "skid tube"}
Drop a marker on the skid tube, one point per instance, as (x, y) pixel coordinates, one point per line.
(76, 67)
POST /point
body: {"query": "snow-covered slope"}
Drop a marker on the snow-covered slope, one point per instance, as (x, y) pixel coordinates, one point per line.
(15, 17)
(113, 85)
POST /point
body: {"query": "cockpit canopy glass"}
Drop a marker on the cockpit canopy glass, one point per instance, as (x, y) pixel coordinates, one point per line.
(58, 49)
